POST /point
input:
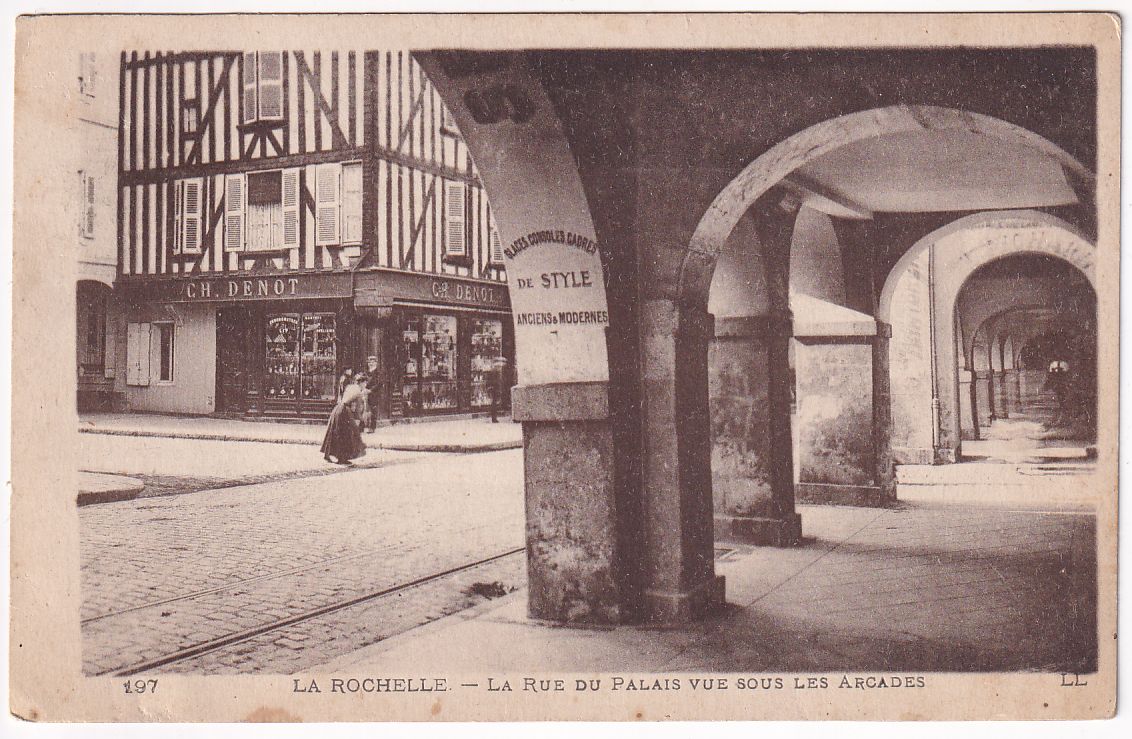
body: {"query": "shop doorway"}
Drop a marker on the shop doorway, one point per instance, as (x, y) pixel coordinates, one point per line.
(232, 325)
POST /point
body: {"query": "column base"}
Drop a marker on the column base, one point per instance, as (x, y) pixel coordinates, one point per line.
(662, 607)
(759, 530)
(913, 455)
(835, 494)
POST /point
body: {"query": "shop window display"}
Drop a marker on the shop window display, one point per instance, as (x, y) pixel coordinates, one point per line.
(428, 345)
(301, 359)
(410, 346)
(281, 368)
(487, 360)
(438, 363)
(320, 362)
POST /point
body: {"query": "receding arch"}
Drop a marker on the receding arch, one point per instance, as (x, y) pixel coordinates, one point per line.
(919, 300)
(777, 163)
(1074, 247)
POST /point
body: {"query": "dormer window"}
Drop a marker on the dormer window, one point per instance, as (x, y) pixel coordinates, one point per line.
(263, 86)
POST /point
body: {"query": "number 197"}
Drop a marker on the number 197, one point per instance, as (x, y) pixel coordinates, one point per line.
(140, 686)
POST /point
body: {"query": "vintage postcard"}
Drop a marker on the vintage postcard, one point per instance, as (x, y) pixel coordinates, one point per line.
(565, 367)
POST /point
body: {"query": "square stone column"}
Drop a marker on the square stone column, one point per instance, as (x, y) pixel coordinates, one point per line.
(677, 553)
(571, 501)
(842, 415)
(752, 463)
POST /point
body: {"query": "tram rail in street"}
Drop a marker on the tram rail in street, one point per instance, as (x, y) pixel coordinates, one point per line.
(227, 640)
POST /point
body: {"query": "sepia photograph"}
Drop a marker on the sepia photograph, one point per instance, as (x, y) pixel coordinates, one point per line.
(593, 369)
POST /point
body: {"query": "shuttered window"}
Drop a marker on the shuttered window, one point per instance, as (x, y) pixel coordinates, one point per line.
(352, 203)
(264, 222)
(495, 243)
(190, 208)
(290, 208)
(251, 112)
(234, 190)
(270, 84)
(137, 354)
(263, 85)
(328, 196)
(455, 231)
(86, 222)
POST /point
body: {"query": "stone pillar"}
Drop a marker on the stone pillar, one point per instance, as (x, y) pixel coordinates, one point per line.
(841, 417)
(568, 460)
(752, 467)
(678, 549)
(968, 401)
(756, 467)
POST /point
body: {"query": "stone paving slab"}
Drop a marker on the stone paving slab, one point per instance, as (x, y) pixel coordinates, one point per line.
(1023, 604)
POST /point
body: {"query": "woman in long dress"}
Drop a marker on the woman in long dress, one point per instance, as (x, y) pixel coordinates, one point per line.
(343, 439)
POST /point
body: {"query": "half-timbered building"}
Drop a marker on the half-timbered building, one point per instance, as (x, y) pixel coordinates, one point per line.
(286, 215)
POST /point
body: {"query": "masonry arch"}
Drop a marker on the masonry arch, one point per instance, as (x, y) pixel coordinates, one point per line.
(549, 130)
(774, 166)
(556, 282)
(919, 301)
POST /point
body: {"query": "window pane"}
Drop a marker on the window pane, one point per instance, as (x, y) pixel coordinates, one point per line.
(438, 363)
(282, 363)
(270, 66)
(271, 100)
(165, 339)
(319, 357)
(487, 360)
(410, 351)
(265, 187)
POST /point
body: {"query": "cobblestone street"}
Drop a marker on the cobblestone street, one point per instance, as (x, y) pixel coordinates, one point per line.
(162, 574)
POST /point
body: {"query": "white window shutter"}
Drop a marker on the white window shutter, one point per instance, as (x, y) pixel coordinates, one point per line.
(328, 198)
(88, 213)
(352, 203)
(235, 195)
(138, 351)
(270, 84)
(191, 219)
(92, 74)
(249, 87)
(290, 208)
(455, 233)
(178, 215)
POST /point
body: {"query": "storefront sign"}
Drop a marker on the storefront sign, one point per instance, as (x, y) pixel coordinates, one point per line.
(489, 295)
(381, 287)
(210, 289)
(559, 306)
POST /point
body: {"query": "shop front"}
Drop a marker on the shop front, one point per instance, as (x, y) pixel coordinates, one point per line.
(280, 341)
(436, 345)
(282, 359)
(431, 345)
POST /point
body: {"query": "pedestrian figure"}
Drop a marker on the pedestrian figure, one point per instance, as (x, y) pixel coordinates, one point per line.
(343, 439)
(1057, 380)
(495, 386)
(372, 393)
(343, 381)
